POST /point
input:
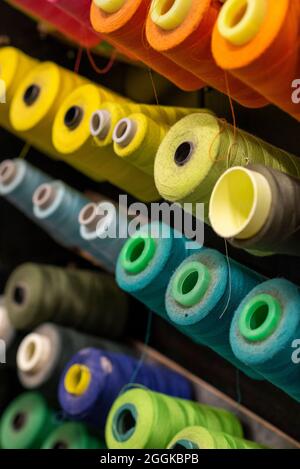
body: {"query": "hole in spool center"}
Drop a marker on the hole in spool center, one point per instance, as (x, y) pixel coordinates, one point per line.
(73, 117)
(60, 445)
(137, 250)
(238, 14)
(30, 351)
(189, 282)
(259, 316)
(96, 122)
(19, 421)
(183, 153)
(185, 444)
(166, 5)
(31, 94)
(126, 422)
(121, 129)
(19, 295)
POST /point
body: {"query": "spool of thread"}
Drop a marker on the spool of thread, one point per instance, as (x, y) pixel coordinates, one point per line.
(93, 379)
(56, 206)
(88, 301)
(202, 297)
(123, 25)
(26, 422)
(142, 419)
(263, 330)
(18, 181)
(252, 43)
(36, 101)
(137, 139)
(71, 137)
(182, 31)
(72, 435)
(200, 148)
(14, 65)
(104, 228)
(104, 120)
(7, 331)
(43, 354)
(147, 262)
(193, 438)
(256, 208)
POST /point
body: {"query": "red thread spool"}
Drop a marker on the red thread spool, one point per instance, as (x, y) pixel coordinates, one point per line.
(270, 62)
(125, 29)
(189, 45)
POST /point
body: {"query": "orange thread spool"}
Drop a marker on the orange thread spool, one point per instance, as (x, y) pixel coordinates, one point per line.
(125, 29)
(189, 45)
(271, 60)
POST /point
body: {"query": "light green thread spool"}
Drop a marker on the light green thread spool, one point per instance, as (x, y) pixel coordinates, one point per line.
(191, 283)
(146, 419)
(137, 253)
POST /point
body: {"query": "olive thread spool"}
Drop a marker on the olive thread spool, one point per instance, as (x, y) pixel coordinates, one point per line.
(104, 227)
(263, 330)
(26, 422)
(193, 438)
(93, 378)
(202, 297)
(18, 181)
(143, 419)
(72, 435)
(85, 300)
(147, 261)
(43, 354)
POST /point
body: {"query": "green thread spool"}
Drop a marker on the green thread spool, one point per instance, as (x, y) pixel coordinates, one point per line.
(26, 422)
(85, 300)
(202, 438)
(72, 435)
(200, 148)
(137, 253)
(191, 283)
(144, 419)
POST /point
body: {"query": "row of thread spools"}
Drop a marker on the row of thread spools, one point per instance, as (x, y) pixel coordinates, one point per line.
(152, 151)
(102, 387)
(250, 321)
(236, 47)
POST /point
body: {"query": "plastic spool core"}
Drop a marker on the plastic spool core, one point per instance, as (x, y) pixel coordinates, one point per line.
(260, 318)
(169, 14)
(240, 203)
(137, 253)
(73, 117)
(44, 196)
(89, 217)
(19, 421)
(183, 153)
(100, 124)
(190, 283)
(124, 132)
(60, 445)
(124, 422)
(185, 444)
(109, 6)
(240, 20)
(8, 171)
(33, 353)
(77, 380)
(31, 94)
(20, 294)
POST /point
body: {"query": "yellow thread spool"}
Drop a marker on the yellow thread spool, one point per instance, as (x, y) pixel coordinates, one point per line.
(71, 137)
(137, 139)
(14, 65)
(77, 380)
(169, 17)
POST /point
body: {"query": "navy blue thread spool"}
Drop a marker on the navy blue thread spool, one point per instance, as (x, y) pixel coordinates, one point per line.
(202, 297)
(95, 378)
(263, 330)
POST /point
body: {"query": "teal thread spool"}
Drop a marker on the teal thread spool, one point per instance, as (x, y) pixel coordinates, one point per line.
(18, 181)
(141, 419)
(263, 329)
(26, 422)
(202, 297)
(72, 435)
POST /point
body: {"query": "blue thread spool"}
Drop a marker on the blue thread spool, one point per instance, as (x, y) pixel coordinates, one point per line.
(202, 297)
(104, 227)
(147, 261)
(94, 378)
(18, 181)
(57, 207)
(262, 332)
